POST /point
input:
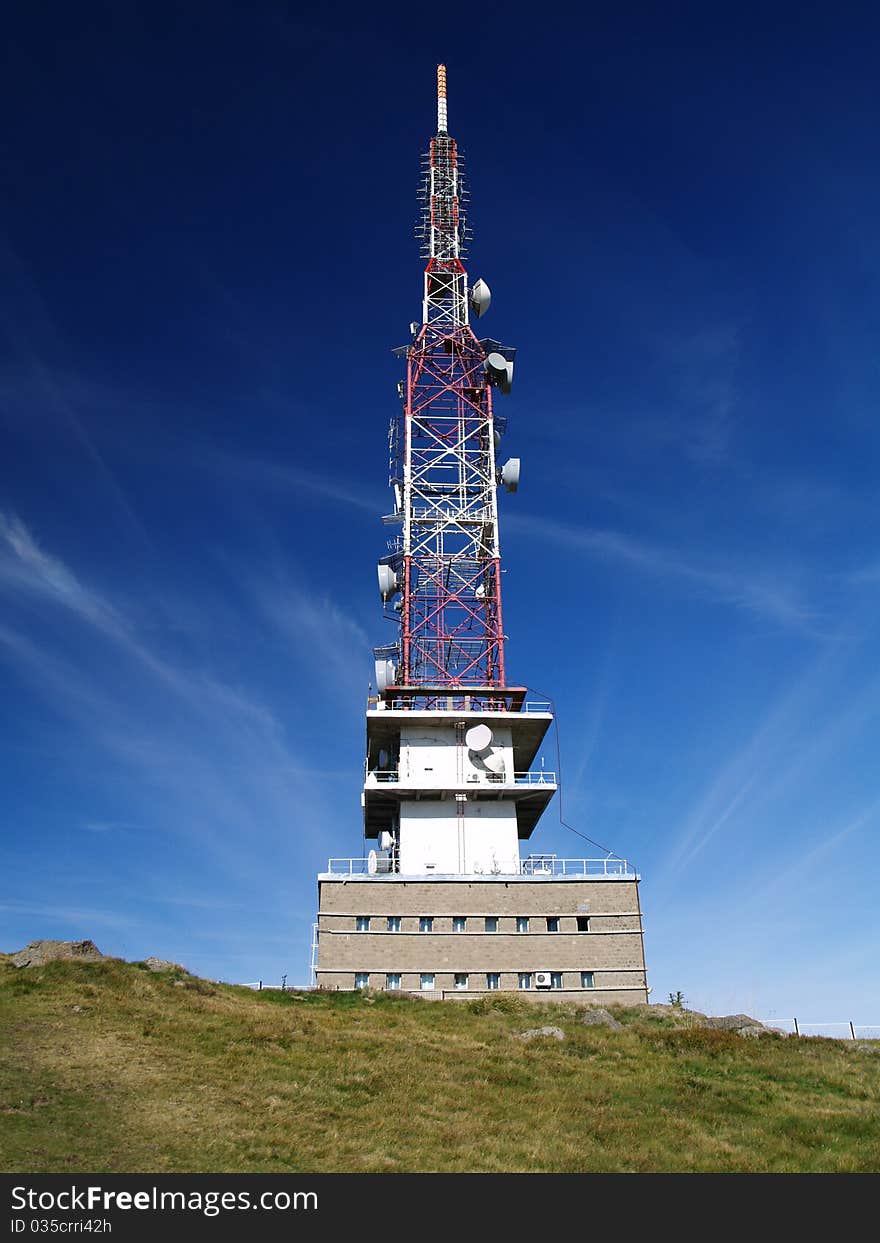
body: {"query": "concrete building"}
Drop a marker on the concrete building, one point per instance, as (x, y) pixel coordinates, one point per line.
(442, 902)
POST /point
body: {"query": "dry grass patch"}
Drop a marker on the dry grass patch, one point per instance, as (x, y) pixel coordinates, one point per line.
(105, 1066)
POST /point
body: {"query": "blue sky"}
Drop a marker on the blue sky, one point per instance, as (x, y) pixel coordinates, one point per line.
(206, 256)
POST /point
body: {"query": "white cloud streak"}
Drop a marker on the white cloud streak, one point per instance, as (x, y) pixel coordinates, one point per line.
(764, 595)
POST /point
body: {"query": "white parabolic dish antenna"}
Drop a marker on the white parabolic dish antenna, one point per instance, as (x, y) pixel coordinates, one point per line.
(386, 672)
(478, 738)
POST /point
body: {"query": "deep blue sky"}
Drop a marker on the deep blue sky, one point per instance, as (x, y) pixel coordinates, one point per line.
(206, 256)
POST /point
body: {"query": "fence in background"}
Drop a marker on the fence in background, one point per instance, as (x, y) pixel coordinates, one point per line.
(836, 1030)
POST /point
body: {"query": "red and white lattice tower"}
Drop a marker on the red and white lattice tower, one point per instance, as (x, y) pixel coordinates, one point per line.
(446, 563)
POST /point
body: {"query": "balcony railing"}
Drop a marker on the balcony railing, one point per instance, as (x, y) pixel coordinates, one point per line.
(551, 866)
(536, 867)
(459, 695)
(386, 776)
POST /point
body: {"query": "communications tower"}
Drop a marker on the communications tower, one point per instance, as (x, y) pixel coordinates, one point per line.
(442, 902)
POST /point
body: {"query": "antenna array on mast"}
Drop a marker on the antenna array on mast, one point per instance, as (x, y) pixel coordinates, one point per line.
(446, 567)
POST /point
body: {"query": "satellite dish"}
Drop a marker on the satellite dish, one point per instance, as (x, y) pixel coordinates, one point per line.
(510, 474)
(378, 861)
(494, 762)
(496, 436)
(478, 738)
(388, 583)
(480, 592)
(386, 840)
(481, 298)
(383, 758)
(386, 672)
(500, 371)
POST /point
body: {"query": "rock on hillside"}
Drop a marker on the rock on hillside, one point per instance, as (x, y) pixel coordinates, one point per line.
(36, 953)
(598, 1017)
(742, 1024)
(162, 964)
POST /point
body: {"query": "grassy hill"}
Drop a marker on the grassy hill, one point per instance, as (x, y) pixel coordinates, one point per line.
(108, 1067)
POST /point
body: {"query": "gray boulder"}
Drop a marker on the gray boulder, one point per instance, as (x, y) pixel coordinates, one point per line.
(742, 1024)
(555, 1033)
(162, 964)
(598, 1017)
(36, 953)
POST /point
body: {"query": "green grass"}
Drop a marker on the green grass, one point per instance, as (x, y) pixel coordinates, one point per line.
(107, 1067)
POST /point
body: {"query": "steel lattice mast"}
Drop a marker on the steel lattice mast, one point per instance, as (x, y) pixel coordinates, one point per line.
(446, 563)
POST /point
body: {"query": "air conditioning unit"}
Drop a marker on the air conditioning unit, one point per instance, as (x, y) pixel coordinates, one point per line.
(542, 979)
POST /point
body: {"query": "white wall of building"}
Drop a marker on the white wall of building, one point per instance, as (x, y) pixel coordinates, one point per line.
(434, 840)
(430, 756)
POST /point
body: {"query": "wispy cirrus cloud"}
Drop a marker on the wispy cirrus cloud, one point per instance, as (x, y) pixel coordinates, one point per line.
(806, 725)
(25, 565)
(40, 381)
(83, 916)
(222, 765)
(764, 594)
(263, 473)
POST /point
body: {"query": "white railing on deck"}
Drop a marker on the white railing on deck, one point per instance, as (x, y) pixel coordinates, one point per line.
(530, 705)
(527, 867)
(575, 867)
(391, 776)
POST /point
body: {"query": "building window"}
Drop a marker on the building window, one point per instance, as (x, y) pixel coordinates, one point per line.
(461, 980)
(552, 923)
(587, 980)
(459, 923)
(493, 980)
(361, 979)
(583, 923)
(394, 923)
(556, 979)
(427, 979)
(491, 923)
(392, 980)
(426, 924)
(522, 923)
(363, 923)
(525, 979)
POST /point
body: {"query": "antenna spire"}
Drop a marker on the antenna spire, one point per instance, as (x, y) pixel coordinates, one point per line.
(441, 99)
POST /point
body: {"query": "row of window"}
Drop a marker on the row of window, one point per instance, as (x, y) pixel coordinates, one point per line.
(462, 980)
(460, 923)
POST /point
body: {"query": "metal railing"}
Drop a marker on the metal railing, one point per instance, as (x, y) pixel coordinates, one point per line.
(575, 867)
(391, 776)
(526, 867)
(530, 705)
